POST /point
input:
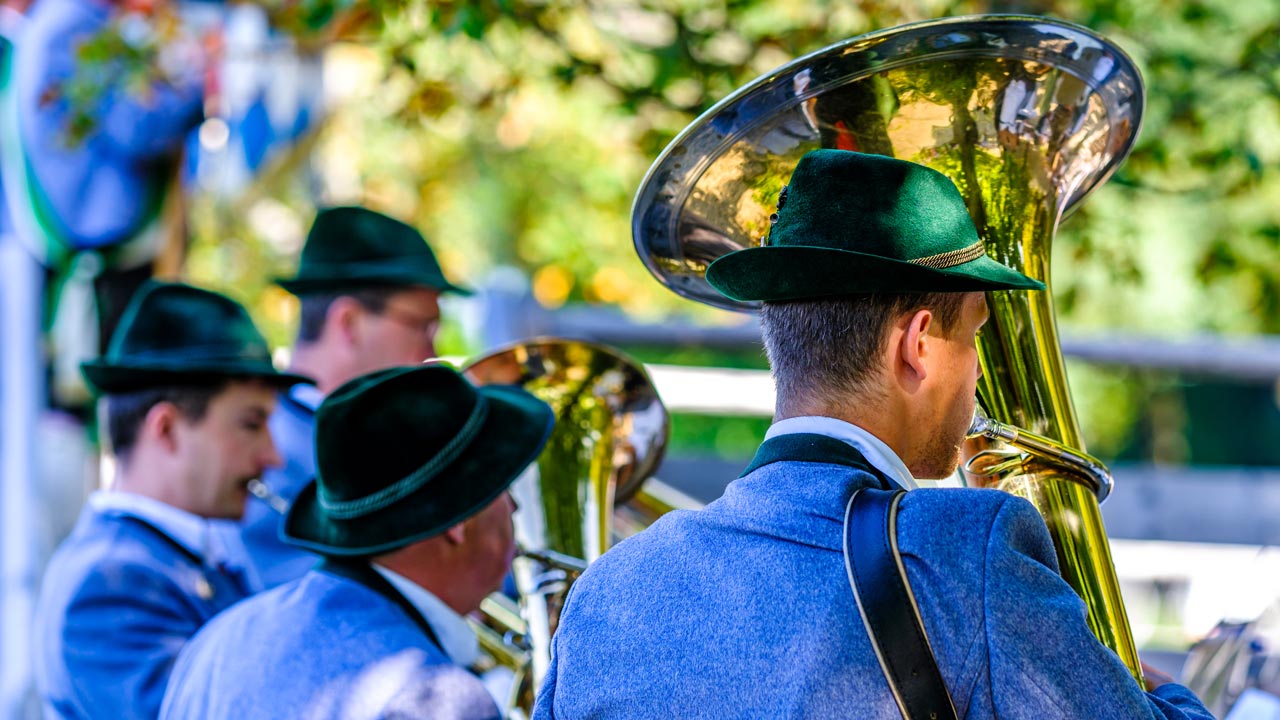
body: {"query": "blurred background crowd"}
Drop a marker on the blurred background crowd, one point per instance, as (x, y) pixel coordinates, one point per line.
(195, 141)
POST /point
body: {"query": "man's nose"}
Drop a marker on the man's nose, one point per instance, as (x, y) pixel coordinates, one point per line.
(271, 457)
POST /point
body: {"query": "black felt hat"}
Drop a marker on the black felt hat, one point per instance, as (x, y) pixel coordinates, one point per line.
(856, 223)
(173, 334)
(404, 453)
(353, 247)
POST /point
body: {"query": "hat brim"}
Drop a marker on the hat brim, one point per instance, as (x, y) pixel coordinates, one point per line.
(324, 285)
(511, 437)
(106, 378)
(779, 273)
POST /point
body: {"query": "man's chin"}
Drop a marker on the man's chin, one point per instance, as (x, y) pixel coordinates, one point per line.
(940, 469)
(235, 507)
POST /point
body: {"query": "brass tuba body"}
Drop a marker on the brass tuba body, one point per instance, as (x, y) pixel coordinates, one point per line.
(610, 435)
(1027, 116)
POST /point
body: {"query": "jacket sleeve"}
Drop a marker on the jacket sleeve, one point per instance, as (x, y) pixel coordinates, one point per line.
(121, 635)
(1043, 660)
(544, 706)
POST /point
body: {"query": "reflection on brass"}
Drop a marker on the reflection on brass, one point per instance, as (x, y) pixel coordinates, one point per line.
(502, 638)
(1090, 469)
(610, 434)
(1027, 116)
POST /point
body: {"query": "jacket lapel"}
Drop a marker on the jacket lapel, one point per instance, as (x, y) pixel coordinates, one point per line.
(218, 585)
(796, 489)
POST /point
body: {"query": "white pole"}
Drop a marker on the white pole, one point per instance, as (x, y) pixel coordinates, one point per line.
(21, 396)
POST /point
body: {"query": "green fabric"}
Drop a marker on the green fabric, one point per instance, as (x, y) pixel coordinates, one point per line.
(173, 334)
(352, 247)
(854, 223)
(809, 447)
(402, 454)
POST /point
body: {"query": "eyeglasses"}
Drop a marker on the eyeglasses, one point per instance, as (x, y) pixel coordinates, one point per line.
(427, 326)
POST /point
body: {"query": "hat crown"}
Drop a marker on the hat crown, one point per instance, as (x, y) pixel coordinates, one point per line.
(356, 234)
(407, 423)
(167, 322)
(872, 204)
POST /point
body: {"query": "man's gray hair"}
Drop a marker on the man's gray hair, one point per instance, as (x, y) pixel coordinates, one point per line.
(830, 347)
(315, 307)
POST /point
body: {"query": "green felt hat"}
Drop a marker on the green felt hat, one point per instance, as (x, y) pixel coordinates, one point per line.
(173, 334)
(852, 223)
(353, 247)
(404, 453)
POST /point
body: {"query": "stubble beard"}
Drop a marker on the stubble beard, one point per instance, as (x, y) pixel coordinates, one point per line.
(942, 454)
(941, 460)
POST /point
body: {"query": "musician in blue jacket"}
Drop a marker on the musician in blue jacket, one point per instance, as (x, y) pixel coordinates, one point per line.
(188, 387)
(411, 511)
(369, 288)
(872, 282)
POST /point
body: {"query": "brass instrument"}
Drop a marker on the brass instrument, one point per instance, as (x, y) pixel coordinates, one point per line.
(1027, 116)
(1090, 469)
(610, 435)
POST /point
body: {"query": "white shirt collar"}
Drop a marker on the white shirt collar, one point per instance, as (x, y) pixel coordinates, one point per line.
(187, 529)
(881, 456)
(451, 629)
(308, 396)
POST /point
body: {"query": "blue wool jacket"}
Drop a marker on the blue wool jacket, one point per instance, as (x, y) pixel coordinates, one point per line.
(269, 559)
(120, 599)
(744, 610)
(322, 647)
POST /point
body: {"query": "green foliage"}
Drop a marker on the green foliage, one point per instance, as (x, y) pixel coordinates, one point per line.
(528, 125)
(108, 63)
(733, 438)
(515, 132)
(1185, 237)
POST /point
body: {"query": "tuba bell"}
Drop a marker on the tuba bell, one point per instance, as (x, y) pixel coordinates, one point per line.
(1027, 116)
(610, 434)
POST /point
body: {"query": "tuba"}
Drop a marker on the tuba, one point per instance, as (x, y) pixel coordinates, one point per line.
(610, 434)
(1027, 116)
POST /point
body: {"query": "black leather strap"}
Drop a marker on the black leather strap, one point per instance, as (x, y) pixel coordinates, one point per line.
(876, 575)
(361, 572)
(888, 609)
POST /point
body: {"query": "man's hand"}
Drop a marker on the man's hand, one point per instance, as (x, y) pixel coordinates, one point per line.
(1154, 677)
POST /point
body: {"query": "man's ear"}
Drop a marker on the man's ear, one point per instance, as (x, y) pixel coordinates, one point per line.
(343, 319)
(456, 534)
(914, 346)
(161, 425)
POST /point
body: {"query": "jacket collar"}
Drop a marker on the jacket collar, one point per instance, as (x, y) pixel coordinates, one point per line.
(192, 532)
(873, 449)
(796, 489)
(361, 572)
(812, 448)
(307, 399)
(455, 636)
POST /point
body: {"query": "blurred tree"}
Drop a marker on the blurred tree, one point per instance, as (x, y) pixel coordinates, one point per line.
(516, 132)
